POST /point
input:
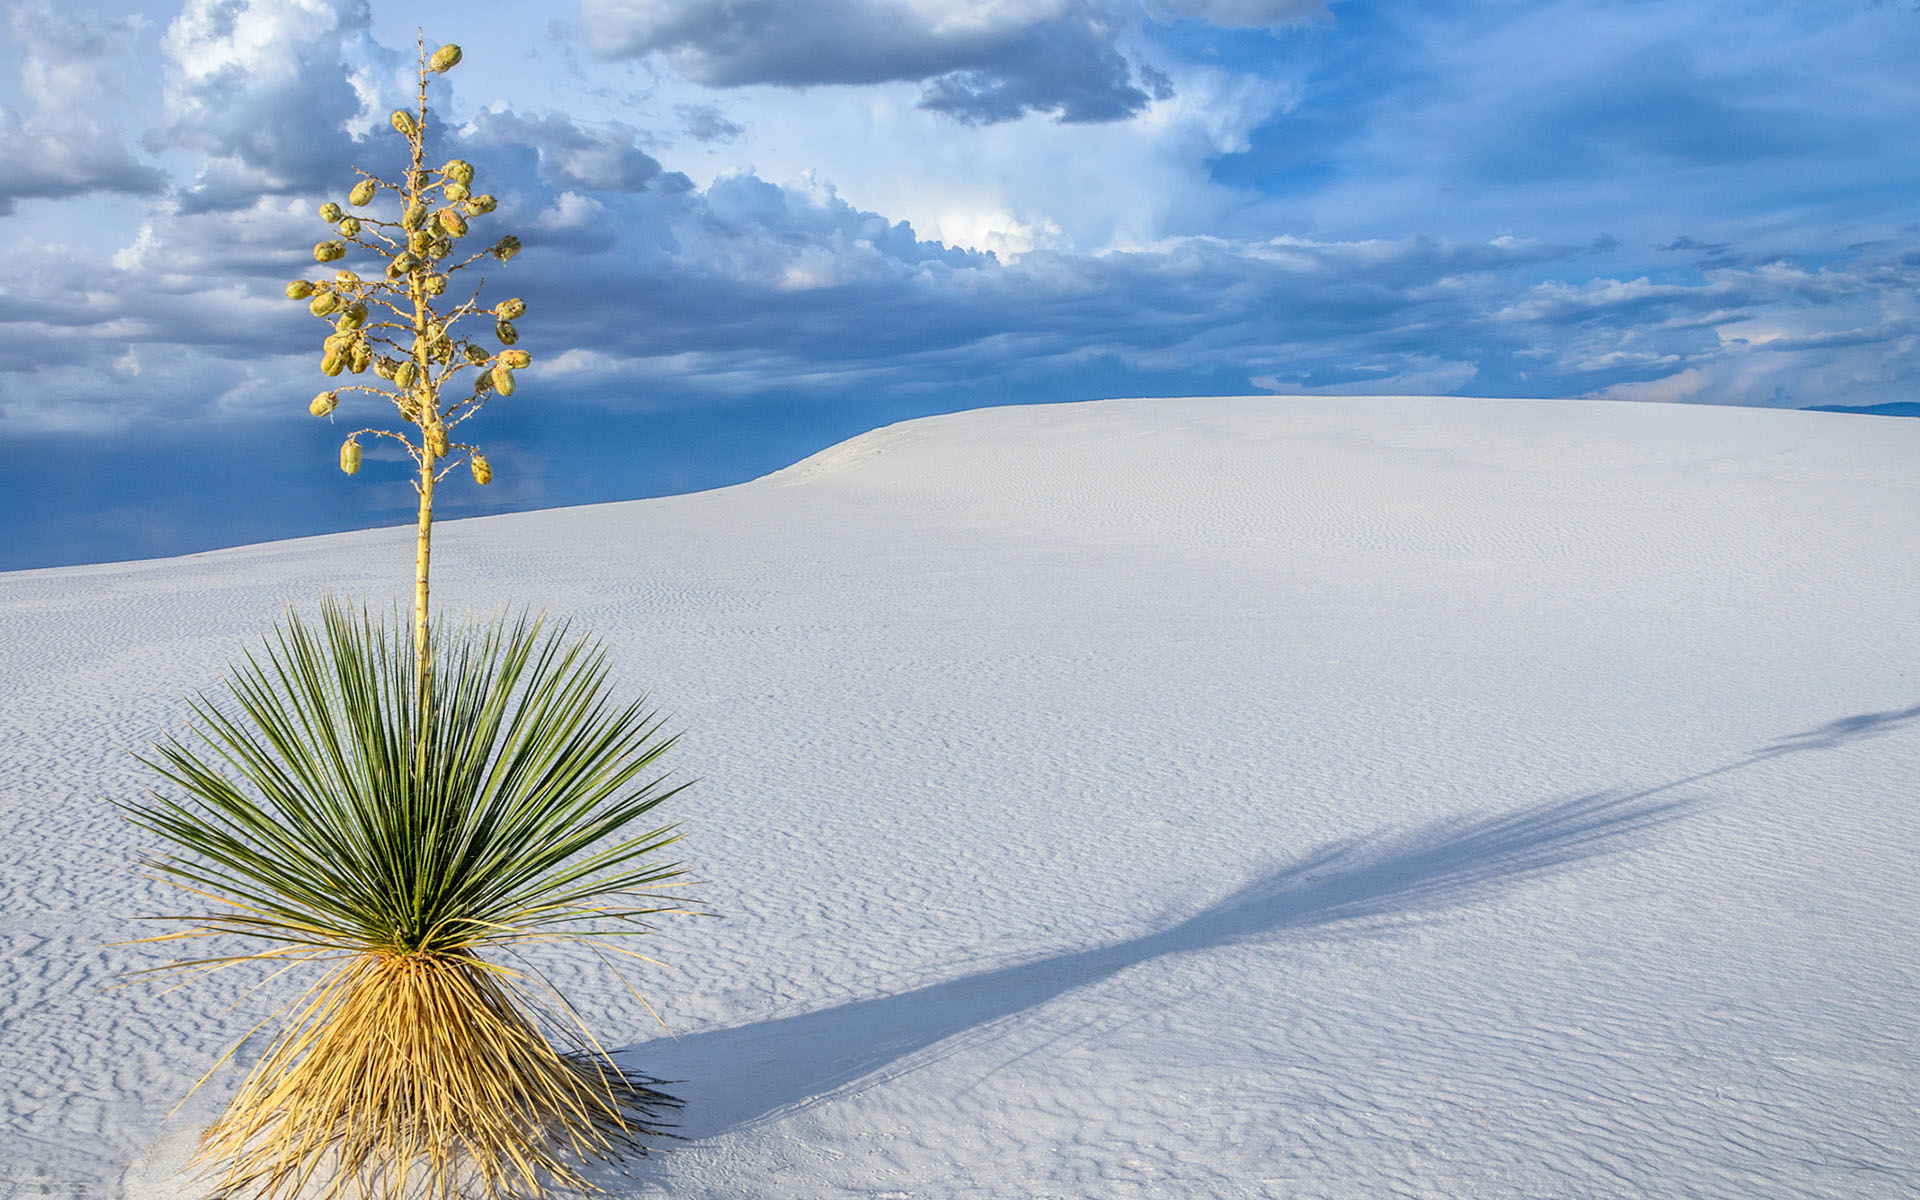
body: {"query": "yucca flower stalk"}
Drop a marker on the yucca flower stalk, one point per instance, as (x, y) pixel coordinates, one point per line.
(429, 1056)
(434, 374)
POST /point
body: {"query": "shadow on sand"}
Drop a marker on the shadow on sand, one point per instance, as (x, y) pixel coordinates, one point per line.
(745, 1075)
(750, 1074)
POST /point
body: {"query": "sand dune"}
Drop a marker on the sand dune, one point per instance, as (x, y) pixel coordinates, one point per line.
(1222, 797)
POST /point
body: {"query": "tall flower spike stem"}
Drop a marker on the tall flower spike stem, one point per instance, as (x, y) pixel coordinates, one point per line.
(428, 412)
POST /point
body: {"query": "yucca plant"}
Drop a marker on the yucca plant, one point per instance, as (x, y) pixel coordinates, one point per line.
(405, 816)
(429, 1056)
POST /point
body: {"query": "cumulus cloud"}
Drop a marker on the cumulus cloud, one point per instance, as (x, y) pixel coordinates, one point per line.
(263, 89)
(59, 148)
(981, 63)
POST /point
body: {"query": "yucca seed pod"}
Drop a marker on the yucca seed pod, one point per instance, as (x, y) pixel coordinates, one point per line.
(348, 278)
(420, 241)
(454, 192)
(442, 246)
(483, 383)
(445, 58)
(333, 362)
(330, 212)
(329, 251)
(405, 373)
(451, 221)
(441, 351)
(482, 469)
(511, 309)
(402, 263)
(515, 359)
(437, 440)
(299, 289)
(350, 456)
(506, 247)
(415, 216)
(359, 358)
(324, 403)
(409, 412)
(433, 285)
(483, 203)
(323, 303)
(475, 354)
(418, 181)
(362, 193)
(459, 170)
(348, 226)
(504, 330)
(403, 123)
(384, 367)
(502, 379)
(353, 318)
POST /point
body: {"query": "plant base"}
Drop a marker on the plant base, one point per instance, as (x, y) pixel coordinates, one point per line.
(423, 1074)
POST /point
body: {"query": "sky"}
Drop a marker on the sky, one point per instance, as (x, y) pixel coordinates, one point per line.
(756, 228)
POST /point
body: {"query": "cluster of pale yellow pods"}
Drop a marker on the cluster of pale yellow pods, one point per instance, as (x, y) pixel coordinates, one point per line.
(436, 206)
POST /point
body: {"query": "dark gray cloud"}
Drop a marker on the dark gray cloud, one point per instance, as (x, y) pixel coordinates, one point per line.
(60, 149)
(706, 123)
(1240, 14)
(42, 159)
(1703, 256)
(980, 64)
(1056, 67)
(603, 158)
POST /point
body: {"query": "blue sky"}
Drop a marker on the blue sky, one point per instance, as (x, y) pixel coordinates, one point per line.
(755, 228)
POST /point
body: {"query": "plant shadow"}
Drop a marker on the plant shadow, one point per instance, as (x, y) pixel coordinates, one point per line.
(1838, 733)
(751, 1074)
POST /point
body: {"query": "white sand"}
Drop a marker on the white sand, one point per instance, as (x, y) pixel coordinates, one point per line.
(1252, 797)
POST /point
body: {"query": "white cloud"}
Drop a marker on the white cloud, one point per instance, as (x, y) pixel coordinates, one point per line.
(1087, 188)
(1681, 386)
(265, 90)
(576, 224)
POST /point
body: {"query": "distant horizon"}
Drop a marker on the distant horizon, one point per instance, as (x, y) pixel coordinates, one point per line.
(17, 556)
(752, 231)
